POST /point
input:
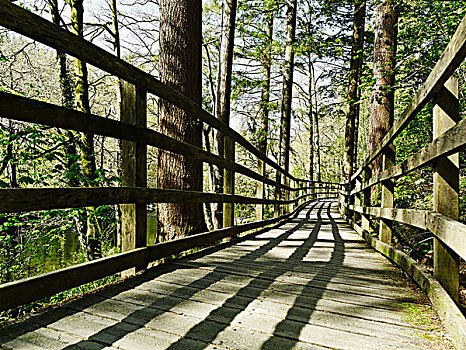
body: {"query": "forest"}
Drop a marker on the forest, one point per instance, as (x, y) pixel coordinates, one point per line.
(301, 80)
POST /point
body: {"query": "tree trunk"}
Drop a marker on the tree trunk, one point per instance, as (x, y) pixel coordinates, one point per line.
(285, 120)
(351, 131)
(382, 107)
(180, 68)
(287, 95)
(316, 120)
(222, 109)
(311, 124)
(94, 250)
(264, 109)
(67, 100)
(119, 86)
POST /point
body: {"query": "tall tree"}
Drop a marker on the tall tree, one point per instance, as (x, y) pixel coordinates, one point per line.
(67, 100)
(264, 106)
(222, 109)
(180, 68)
(352, 118)
(287, 94)
(87, 139)
(288, 68)
(313, 80)
(382, 100)
(311, 120)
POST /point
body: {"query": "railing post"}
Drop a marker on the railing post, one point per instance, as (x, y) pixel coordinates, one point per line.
(276, 206)
(306, 190)
(446, 187)
(357, 198)
(287, 194)
(300, 192)
(134, 168)
(229, 184)
(366, 201)
(388, 187)
(260, 191)
(292, 194)
(351, 199)
(346, 200)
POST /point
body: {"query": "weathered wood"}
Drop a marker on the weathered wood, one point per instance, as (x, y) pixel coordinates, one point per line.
(25, 22)
(286, 208)
(388, 188)
(451, 316)
(366, 200)
(357, 200)
(446, 187)
(34, 288)
(278, 184)
(239, 298)
(451, 58)
(449, 231)
(17, 200)
(260, 190)
(20, 108)
(413, 217)
(229, 184)
(30, 289)
(134, 168)
(448, 143)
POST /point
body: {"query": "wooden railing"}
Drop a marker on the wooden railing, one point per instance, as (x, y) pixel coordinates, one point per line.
(134, 193)
(449, 137)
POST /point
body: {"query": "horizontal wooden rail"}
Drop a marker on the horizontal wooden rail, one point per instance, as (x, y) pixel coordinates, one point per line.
(311, 188)
(27, 290)
(18, 200)
(35, 27)
(450, 231)
(411, 217)
(450, 60)
(27, 110)
(357, 174)
(452, 141)
(320, 182)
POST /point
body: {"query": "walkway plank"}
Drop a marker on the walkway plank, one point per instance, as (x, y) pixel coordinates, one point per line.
(311, 283)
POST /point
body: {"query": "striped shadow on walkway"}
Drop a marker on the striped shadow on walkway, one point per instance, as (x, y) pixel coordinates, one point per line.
(310, 283)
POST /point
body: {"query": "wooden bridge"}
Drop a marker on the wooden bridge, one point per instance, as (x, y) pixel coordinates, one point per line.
(304, 279)
(309, 283)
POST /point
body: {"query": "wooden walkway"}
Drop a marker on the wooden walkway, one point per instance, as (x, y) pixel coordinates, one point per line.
(311, 283)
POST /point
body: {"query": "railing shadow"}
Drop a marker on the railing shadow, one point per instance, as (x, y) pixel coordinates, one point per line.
(293, 329)
(145, 314)
(254, 288)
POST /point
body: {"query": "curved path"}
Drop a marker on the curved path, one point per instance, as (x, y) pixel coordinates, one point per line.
(310, 283)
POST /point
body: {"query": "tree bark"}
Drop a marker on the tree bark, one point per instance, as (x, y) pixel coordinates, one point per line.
(313, 80)
(180, 68)
(287, 95)
(94, 249)
(119, 86)
(382, 100)
(351, 131)
(222, 109)
(311, 123)
(82, 95)
(285, 120)
(264, 109)
(67, 100)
